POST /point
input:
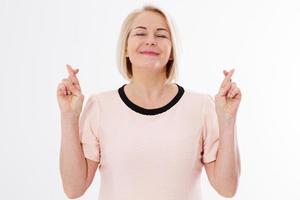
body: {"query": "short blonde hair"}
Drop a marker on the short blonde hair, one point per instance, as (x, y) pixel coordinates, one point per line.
(124, 64)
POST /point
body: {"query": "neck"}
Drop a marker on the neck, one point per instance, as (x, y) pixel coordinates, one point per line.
(148, 84)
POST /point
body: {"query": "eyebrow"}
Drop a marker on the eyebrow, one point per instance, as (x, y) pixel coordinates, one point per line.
(158, 29)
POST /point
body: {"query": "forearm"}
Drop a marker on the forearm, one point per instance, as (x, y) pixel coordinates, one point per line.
(73, 165)
(227, 166)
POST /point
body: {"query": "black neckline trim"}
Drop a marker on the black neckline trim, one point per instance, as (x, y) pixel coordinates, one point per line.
(153, 111)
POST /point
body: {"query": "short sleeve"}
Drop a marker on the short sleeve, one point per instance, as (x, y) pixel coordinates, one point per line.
(89, 129)
(210, 131)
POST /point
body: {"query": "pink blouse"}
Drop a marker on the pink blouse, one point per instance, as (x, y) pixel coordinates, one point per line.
(147, 154)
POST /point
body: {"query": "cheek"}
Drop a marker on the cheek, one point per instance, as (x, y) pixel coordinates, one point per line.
(131, 45)
(167, 48)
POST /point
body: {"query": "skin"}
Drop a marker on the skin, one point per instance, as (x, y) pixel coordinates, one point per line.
(148, 90)
(224, 172)
(149, 31)
(77, 172)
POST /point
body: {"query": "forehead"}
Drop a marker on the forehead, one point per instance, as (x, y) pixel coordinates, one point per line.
(150, 20)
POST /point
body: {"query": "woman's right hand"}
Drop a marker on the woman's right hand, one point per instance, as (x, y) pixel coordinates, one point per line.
(69, 96)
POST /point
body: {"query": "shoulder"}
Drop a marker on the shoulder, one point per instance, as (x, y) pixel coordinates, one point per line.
(105, 99)
(103, 95)
(200, 97)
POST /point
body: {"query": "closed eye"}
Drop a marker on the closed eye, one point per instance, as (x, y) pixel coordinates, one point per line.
(163, 36)
(140, 34)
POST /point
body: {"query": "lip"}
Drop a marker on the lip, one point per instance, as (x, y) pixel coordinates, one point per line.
(149, 53)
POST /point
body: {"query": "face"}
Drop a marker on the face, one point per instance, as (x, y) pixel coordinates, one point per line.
(149, 41)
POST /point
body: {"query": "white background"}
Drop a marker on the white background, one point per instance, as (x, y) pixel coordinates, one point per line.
(259, 38)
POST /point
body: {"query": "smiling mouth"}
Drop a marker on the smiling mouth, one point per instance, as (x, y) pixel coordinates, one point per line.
(149, 53)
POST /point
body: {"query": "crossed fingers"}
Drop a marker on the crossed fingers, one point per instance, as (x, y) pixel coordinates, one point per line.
(229, 88)
(72, 76)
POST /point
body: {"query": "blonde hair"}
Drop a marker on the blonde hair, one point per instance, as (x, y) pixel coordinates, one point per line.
(124, 64)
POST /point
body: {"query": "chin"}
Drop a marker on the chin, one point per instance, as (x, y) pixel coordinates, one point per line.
(151, 64)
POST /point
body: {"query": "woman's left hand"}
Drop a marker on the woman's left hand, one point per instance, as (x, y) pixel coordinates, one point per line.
(228, 98)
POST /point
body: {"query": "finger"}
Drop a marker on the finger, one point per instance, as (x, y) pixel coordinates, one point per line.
(60, 89)
(71, 71)
(224, 89)
(232, 91)
(71, 89)
(72, 75)
(239, 94)
(228, 76)
(225, 72)
(235, 94)
(74, 80)
(68, 85)
(233, 86)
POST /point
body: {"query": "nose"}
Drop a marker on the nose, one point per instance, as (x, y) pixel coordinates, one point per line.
(151, 41)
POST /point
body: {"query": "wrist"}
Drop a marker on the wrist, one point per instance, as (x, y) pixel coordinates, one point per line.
(69, 116)
(228, 119)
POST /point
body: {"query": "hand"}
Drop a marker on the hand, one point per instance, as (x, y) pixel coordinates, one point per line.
(69, 96)
(228, 98)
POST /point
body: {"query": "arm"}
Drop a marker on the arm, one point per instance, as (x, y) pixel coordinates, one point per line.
(224, 172)
(77, 172)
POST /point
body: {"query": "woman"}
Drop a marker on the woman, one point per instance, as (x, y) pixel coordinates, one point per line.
(150, 138)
